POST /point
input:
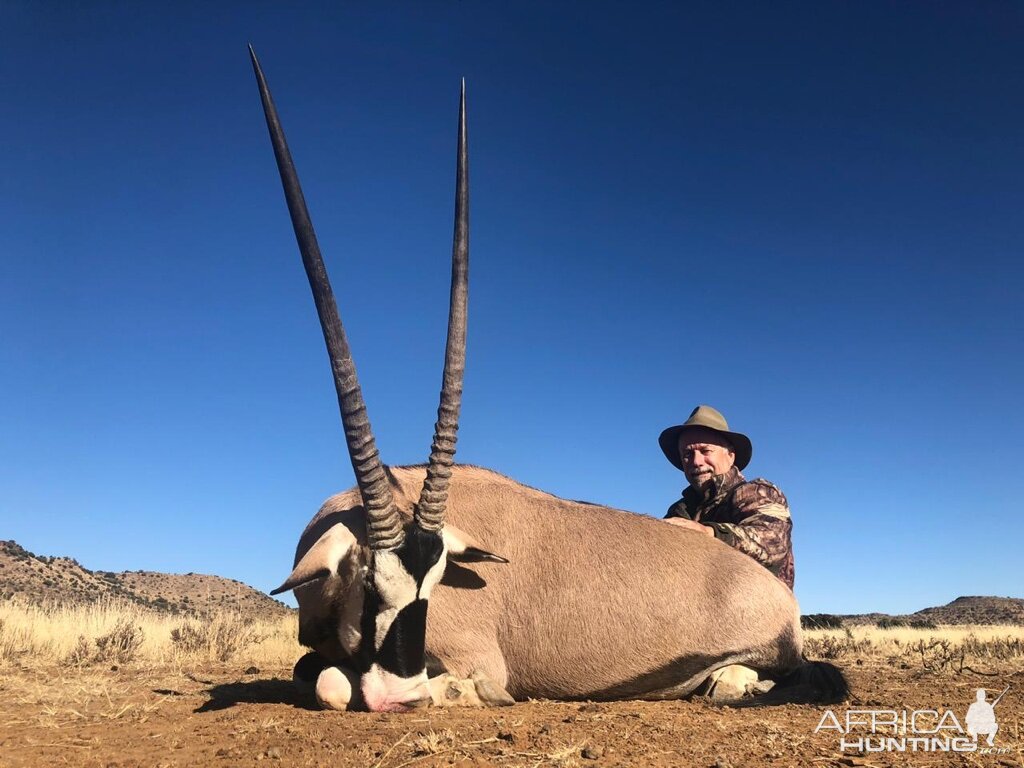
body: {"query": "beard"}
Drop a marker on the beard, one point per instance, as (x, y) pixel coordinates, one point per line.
(704, 482)
(699, 477)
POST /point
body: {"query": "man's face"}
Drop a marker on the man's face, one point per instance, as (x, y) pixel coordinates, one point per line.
(703, 454)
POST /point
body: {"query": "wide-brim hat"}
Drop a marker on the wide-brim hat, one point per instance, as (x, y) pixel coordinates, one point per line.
(706, 417)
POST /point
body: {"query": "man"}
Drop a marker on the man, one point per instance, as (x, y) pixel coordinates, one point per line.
(752, 517)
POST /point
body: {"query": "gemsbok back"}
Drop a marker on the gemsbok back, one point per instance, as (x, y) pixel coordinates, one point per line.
(583, 602)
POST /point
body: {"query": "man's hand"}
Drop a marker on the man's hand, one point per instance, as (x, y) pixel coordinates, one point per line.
(682, 522)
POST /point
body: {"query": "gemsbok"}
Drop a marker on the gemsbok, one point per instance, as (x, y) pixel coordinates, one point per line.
(580, 602)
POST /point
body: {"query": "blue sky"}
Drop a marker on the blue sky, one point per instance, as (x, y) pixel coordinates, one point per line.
(805, 214)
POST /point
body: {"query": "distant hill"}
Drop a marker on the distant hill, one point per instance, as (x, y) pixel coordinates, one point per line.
(963, 610)
(63, 580)
(976, 610)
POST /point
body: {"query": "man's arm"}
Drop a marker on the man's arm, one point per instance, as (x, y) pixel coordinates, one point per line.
(761, 526)
(678, 509)
(684, 522)
(679, 516)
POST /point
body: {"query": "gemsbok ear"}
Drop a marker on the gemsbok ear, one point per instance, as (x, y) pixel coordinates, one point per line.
(463, 548)
(322, 558)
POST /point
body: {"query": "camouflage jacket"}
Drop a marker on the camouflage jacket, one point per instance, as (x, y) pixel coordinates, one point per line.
(752, 517)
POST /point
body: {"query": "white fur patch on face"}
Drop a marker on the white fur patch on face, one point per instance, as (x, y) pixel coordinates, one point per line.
(395, 585)
(383, 621)
(434, 574)
(385, 692)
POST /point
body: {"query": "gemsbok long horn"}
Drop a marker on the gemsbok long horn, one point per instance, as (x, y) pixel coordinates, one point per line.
(384, 526)
(429, 512)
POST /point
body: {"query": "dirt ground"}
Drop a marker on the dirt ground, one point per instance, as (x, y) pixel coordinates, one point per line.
(117, 718)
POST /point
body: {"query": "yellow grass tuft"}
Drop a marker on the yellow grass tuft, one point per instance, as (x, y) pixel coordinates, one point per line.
(122, 632)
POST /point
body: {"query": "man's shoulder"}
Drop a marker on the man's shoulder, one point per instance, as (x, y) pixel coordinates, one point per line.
(761, 495)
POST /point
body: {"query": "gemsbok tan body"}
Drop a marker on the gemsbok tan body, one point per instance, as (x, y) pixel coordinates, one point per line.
(593, 603)
(529, 595)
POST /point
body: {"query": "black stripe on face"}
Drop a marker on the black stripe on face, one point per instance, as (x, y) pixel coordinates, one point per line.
(402, 652)
(367, 627)
(420, 552)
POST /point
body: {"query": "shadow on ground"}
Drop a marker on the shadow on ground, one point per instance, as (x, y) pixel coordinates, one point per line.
(273, 691)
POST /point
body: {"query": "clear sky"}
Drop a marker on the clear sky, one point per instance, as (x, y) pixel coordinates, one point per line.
(805, 214)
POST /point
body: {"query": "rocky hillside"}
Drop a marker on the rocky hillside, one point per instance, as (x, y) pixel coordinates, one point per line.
(976, 610)
(963, 610)
(64, 580)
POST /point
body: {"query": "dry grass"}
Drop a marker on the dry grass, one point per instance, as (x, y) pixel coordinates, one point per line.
(954, 648)
(121, 632)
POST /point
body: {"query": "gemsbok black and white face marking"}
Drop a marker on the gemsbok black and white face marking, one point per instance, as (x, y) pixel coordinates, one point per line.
(391, 660)
(375, 608)
(406, 560)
